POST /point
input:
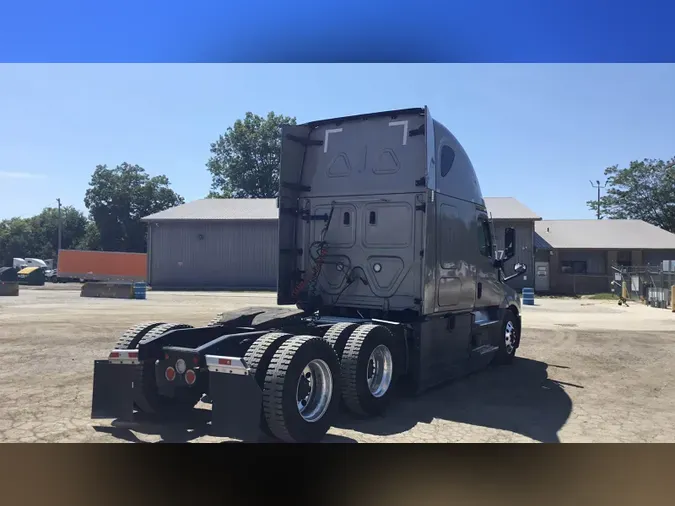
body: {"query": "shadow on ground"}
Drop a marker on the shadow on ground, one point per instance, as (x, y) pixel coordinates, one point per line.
(176, 430)
(181, 430)
(519, 398)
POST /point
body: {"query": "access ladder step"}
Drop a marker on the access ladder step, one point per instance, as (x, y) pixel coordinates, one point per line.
(485, 323)
(486, 348)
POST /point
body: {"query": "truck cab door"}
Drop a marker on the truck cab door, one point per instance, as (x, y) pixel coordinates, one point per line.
(488, 289)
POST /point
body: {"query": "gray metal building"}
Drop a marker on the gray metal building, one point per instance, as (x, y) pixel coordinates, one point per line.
(214, 244)
(232, 243)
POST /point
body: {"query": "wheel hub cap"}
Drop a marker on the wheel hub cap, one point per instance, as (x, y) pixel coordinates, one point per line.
(314, 390)
(510, 338)
(379, 371)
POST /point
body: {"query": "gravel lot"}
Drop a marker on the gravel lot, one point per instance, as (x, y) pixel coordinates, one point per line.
(588, 371)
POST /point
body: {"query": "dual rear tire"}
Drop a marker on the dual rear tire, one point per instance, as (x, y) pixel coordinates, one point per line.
(299, 379)
(301, 390)
(147, 398)
(303, 378)
(370, 360)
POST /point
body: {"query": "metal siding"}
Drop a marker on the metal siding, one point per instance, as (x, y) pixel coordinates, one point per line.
(595, 260)
(231, 254)
(524, 250)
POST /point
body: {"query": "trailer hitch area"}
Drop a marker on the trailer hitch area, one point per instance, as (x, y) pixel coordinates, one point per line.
(236, 399)
(179, 368)
(113, 392)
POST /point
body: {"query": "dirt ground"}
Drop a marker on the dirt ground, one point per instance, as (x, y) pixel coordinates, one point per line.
(587, 371)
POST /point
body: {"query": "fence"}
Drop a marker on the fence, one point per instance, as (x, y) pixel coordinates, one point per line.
(581, 284)
(646, 283)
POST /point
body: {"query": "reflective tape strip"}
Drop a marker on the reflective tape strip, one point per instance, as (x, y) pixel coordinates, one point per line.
(124, 357)
(227, 365)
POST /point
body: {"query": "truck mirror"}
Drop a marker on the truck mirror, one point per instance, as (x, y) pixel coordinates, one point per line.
(509, 242)
(519, 270)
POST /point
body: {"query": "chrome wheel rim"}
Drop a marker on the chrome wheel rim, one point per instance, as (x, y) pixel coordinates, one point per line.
(510, 337)
(314, 390)
(379, 371)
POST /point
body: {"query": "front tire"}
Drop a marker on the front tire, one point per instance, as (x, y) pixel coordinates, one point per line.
(509, 339)
(302, 390)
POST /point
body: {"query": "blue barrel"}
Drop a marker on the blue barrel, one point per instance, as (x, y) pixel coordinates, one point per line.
(139, 290)
(528, 296)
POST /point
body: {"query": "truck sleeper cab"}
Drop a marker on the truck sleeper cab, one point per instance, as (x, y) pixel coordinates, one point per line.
(388, 275)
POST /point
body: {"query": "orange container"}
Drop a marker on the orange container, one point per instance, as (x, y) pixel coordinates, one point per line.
(102, 265)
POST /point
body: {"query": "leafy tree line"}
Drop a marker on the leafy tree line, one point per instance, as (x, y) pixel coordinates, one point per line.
(645, 190)
(117, 199)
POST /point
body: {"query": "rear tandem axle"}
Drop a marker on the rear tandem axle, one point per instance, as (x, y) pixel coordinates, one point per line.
(282, 376)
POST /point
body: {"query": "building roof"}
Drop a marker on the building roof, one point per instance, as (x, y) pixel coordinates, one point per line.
(220, 209)
(540, 242)
(508, 208)
(266, 209)
(601, 234)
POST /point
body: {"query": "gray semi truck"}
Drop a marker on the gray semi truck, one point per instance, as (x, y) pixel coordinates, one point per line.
(388, 277)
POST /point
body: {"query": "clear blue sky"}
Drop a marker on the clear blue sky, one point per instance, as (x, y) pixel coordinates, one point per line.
(535, 132)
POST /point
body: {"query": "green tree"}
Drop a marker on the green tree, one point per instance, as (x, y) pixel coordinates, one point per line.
(118, 198)
(45, 229)
(244, 162)
(91, 240)
(645, 190)
(37, 237)
(16, 239)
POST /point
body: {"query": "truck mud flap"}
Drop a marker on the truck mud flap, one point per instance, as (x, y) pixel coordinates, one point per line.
(236, 399)
(113, 390)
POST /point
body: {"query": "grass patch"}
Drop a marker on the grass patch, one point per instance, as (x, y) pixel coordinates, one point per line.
(602, 296)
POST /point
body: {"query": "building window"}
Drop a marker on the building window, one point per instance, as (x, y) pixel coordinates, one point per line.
(573, 267)
(447, 159)
(624, 258)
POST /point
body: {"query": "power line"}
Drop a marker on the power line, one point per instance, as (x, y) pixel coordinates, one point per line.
(60, 232)
(599, 187)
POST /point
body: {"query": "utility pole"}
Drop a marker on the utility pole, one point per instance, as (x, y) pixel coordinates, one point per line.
(597, 185)
(60, 232)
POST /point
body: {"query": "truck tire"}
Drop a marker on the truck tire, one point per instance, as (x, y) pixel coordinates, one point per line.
(301, 393)
(131, 337)
(221, 318)
(508, 339)
(258, 358)
(369, 362)
(146, 396)
(338, 335)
